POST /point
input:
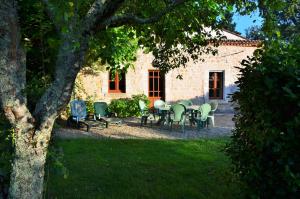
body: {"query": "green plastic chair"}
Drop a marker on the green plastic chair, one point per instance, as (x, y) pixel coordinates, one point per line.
(102, 114)
(211, 117)
(158, 104)
(186, 103)
(201, 118)
(101, 110)
(145, 113)
(177, 115)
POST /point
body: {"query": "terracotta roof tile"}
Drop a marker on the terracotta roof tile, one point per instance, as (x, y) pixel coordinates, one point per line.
(232, 42)
(246, 43)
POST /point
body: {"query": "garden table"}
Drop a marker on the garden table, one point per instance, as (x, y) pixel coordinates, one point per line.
(193, 110)
(164, 114)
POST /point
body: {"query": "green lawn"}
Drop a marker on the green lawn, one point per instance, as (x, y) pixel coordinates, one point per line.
(143, 169)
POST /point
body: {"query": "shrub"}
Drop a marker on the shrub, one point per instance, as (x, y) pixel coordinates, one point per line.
(265, 147)
(89, 105)
(127, 107)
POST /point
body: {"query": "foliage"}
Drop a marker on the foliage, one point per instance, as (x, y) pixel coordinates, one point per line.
(281, 18)
(265, 144)
(255, 33)
(41, 43)
(35, 87)
(227, 21)
(148, 169)
(89, 102)
(116, 48)
(289, 19)
(181, 36)
(6, 154)
(127, 107)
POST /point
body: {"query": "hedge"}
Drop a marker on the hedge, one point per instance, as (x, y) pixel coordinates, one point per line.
(265, 146)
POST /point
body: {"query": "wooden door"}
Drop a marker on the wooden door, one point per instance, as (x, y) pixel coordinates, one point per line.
(216, 85)
(156, 86)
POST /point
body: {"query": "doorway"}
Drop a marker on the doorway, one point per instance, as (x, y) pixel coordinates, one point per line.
(156, 86)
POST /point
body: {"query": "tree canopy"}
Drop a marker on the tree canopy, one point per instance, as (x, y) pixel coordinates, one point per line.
(255, 33)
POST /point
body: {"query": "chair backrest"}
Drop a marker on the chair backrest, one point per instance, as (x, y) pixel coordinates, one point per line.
(204, 110)
(214, 105)
(186, 103)
(78, 109)
(101, 109)
(142, 105)
(178, 111)
(159, 103)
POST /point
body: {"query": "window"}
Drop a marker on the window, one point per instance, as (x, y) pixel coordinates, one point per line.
(117, 83)
(156, 84)
(216, 85)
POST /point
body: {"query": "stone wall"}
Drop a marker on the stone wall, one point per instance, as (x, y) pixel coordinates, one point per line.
(195, 81)
(194, 85)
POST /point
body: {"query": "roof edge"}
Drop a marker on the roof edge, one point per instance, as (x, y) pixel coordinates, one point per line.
(245, 43)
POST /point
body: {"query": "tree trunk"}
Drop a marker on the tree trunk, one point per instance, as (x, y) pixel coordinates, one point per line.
(27, 177)
(33, 130)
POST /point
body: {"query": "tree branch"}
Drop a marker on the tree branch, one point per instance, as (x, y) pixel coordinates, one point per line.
(115, 21)
(100, 10)
(57, 96)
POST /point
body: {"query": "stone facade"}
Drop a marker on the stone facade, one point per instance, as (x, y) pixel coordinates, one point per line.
(195, 82)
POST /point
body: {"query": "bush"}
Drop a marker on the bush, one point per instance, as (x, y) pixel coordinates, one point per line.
(127, 107)
(89, 105)
(265, 147)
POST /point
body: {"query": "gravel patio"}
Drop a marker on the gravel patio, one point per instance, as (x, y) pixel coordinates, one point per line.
(131, 129)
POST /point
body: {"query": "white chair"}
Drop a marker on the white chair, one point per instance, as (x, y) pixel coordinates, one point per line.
(211, 117)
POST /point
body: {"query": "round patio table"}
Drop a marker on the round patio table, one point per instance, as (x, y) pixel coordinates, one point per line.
(193, 110)
(165, 110)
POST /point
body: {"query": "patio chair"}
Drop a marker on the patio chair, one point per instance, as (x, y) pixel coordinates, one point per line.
(157, 105)
(79, 115)
(145, 113)
(211, 117)
(189, 113)
(177, 114)
(186, 103)
(101, 110)
(101, 113)
(201, 118)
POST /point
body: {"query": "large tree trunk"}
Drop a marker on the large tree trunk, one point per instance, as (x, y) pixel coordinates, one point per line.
(27, 178)
(32, 131)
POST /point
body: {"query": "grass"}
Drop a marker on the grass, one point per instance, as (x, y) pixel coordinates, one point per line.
(143, 169)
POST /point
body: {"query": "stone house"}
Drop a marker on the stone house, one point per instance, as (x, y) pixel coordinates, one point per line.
(213, 79)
